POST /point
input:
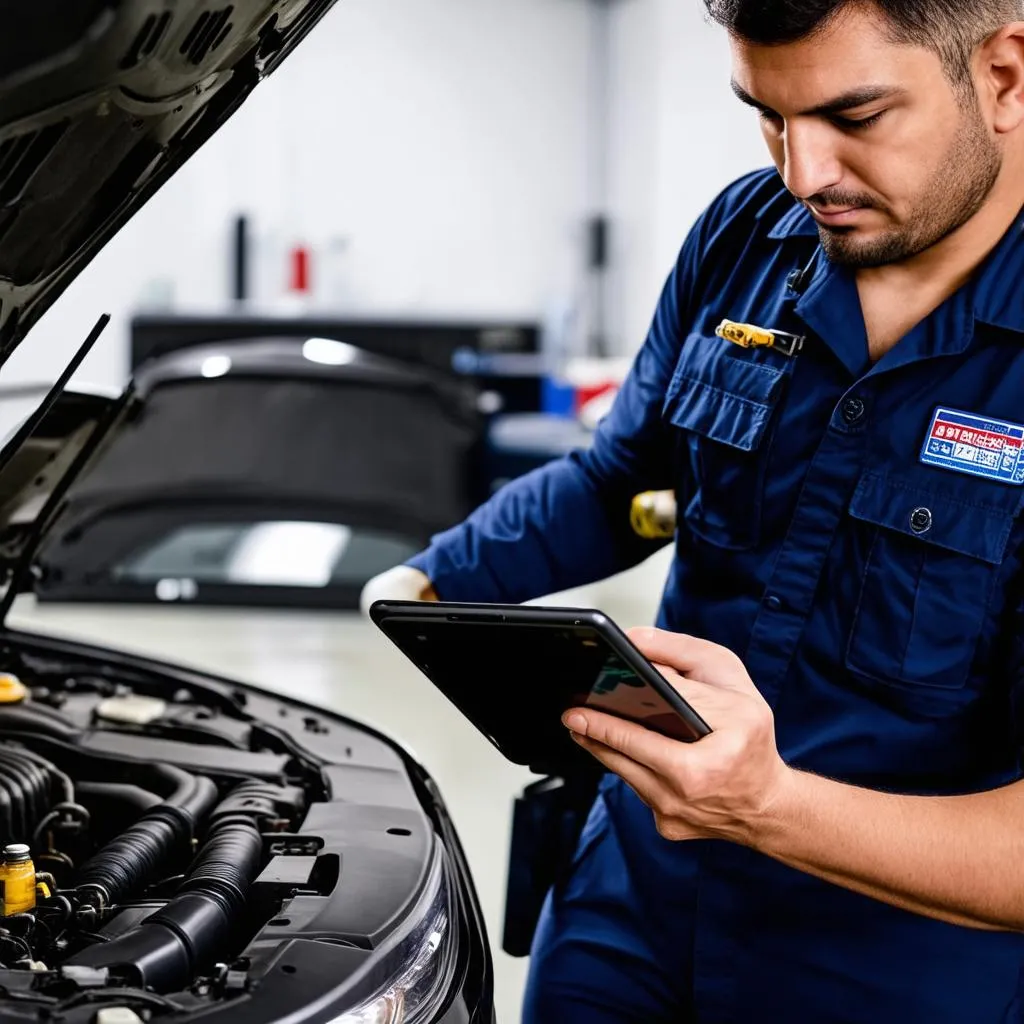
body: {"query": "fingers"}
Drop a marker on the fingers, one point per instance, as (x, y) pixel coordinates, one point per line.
(650, 788)
(633, 742)
(644, 782)
(697, 659)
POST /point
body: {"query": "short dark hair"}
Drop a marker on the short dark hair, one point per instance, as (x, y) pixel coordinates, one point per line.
(952, 28)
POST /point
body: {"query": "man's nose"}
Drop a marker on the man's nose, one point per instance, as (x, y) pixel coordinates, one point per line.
(811, 162)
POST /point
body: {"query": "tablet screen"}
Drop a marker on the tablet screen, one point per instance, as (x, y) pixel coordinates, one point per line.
(514, 680)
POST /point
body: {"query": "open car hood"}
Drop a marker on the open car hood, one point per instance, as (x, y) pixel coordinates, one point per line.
(101, 101)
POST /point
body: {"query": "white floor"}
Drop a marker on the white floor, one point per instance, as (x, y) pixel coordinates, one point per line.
(342, 662)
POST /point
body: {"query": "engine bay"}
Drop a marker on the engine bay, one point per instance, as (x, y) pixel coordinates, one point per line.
(174, 846)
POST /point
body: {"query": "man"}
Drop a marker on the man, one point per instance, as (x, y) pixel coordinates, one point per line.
(848, 845)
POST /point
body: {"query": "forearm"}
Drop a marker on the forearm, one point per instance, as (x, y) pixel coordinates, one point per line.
(557, 528)
(959, 859)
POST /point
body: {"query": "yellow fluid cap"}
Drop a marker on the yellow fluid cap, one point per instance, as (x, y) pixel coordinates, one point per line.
(12, 689)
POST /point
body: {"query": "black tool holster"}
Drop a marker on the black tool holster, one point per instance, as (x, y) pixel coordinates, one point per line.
(547, 819)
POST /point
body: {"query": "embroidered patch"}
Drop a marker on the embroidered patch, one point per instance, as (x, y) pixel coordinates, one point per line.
(975, 444)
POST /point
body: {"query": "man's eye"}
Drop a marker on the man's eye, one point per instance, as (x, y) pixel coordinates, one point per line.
(857, 123)
(769, 117)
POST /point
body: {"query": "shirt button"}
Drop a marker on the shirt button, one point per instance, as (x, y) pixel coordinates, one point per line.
(921, 520)
(773, 602)
(853, 411)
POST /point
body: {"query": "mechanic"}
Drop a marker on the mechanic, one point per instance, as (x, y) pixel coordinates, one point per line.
(846, 454)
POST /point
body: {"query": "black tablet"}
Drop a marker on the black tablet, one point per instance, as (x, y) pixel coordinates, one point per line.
(512, 670)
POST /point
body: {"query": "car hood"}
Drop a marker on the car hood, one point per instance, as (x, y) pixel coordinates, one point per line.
(101, 101)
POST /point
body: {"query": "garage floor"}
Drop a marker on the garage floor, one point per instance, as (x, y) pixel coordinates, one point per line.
(342, 662)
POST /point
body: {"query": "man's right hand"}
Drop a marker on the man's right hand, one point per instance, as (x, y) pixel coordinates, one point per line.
(403, 583)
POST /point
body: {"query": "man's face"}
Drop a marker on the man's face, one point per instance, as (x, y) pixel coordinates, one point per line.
(872, 136)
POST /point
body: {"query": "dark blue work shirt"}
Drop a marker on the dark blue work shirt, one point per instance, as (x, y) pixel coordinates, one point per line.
(853, 531)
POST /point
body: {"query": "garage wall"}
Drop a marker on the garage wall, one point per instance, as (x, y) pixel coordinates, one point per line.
(678, 136)
(444, 143)
(443, 140)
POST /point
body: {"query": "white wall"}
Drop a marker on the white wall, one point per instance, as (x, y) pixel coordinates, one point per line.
(444, 138)
(678, 136)
(447, 141)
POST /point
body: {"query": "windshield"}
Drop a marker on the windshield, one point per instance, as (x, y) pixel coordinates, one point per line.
(261, 554)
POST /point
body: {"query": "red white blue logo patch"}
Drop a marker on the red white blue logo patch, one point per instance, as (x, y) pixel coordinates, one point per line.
(977, 445)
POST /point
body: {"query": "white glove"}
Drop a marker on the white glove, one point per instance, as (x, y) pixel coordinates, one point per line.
(402, 583)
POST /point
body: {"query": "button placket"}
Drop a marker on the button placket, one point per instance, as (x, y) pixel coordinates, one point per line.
(776, 634)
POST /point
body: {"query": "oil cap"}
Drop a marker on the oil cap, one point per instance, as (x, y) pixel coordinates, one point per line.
(16, 853)
(12, 689)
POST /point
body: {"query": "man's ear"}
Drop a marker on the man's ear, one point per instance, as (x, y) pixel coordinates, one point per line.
(999, 71)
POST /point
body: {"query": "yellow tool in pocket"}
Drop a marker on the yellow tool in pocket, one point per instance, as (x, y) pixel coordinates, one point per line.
(652, 515)
(751, 336)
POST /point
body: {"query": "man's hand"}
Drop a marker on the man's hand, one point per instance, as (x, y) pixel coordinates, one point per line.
(955, 858)
(722, 785)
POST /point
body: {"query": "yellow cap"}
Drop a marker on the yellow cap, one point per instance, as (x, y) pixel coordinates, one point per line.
(12, 689)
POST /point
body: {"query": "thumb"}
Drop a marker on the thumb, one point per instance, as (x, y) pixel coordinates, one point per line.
(693, 658)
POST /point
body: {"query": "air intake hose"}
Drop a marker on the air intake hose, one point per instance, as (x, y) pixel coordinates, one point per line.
(166, 951)
(126, 864)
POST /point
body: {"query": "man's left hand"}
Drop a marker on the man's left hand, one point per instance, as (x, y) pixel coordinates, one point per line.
(719, 787)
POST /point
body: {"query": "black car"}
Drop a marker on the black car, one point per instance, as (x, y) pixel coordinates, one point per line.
(178, 847)
(298, 471)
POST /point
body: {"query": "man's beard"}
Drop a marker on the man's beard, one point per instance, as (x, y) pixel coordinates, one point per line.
(954, 195)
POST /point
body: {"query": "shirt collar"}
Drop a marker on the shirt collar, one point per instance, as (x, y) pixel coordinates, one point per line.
(998, 298)
(998, 285)
(795, 222)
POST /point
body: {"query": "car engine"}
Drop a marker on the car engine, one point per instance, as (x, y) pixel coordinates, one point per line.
(176, 843)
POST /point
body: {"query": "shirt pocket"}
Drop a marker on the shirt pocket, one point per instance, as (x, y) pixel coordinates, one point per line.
(722, 404)
(929, 579)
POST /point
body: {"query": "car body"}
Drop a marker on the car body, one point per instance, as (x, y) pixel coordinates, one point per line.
(201, 850)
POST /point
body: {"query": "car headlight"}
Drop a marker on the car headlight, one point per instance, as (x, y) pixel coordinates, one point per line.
(410, 976)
